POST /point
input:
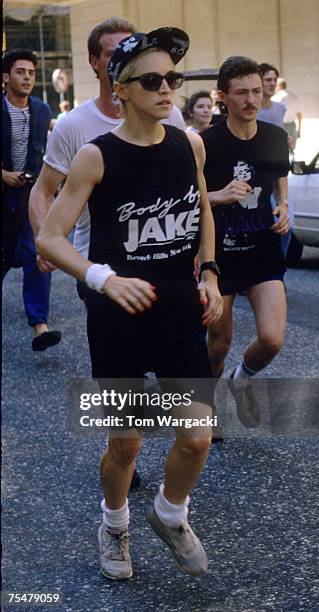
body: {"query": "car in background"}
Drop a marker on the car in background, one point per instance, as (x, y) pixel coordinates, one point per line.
(303, 190)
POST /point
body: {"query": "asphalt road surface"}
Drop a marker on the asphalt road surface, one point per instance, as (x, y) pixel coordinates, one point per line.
(255, 508)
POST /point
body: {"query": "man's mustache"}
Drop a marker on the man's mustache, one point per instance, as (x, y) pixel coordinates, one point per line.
(251, 107)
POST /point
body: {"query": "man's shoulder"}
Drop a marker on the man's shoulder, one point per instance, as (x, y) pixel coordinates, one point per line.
(175, 118)
(270, 130)
(39, 104)
(279, 96)
(214, 132)
(75, 123)
(278, 105)
(83, 110)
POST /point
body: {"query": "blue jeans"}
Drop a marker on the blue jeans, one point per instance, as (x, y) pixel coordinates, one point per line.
(18, 244)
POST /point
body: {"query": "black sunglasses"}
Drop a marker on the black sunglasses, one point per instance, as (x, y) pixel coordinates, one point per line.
(152, 81)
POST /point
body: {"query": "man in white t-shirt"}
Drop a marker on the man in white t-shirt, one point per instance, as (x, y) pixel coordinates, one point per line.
(91, 119)
(293, 115)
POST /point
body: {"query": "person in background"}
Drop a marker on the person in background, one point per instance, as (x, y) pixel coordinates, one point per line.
(293, 115)
(216, 101)
(65, 108)
(246, 162)
(270, 112)
(274, 112)
(26, 121)
(219, 108)
(200, 107)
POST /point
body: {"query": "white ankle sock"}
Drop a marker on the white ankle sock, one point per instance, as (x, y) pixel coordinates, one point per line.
(242, 373)
(170, 514)
(117, 520)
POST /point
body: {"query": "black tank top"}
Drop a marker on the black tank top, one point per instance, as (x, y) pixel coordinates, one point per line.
(145, 212)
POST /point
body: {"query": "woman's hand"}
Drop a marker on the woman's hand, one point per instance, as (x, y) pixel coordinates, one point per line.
(210, 298)
(133, 294)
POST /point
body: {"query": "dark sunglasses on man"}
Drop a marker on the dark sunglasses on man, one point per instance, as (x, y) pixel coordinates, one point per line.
(152, 81)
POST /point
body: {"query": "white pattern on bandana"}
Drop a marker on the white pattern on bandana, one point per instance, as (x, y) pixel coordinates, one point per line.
(129, 45)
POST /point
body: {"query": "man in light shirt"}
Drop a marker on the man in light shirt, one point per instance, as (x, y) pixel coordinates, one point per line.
(293, 115)
(270, 112)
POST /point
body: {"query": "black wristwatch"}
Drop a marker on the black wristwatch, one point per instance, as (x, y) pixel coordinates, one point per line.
(209, 265)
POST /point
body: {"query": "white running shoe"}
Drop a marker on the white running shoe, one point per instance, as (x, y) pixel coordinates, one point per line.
(115, 560)
(185, 546)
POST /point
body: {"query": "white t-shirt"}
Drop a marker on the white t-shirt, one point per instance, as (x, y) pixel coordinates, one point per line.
(274, 114)
(78, 127)
(290, 101)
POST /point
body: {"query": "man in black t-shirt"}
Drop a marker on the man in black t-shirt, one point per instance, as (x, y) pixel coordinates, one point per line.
(247, 161)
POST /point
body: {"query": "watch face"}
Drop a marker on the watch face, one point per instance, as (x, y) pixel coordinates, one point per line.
(210, 265)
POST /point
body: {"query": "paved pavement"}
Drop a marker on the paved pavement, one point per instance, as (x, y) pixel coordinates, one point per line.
(255, 509)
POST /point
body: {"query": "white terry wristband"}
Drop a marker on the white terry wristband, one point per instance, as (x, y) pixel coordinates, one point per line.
(96, 275)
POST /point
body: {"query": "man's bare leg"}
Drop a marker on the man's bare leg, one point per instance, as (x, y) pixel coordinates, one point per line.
(220, 337)
(268, 302)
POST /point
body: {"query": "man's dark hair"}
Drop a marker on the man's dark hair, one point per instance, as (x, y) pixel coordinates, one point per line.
(114, 25)
(266, 67)
(234, 67)
(14, 55)
(196, 96)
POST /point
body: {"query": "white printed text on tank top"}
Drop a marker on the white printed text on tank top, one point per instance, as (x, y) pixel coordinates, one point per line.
(149, 232)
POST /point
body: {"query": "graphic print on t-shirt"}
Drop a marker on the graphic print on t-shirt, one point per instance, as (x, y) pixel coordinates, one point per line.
(245, 172)
(158, 224)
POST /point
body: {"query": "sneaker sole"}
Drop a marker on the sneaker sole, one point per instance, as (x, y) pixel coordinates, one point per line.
(116, 578)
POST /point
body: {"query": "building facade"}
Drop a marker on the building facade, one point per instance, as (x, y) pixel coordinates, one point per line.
(282, 32)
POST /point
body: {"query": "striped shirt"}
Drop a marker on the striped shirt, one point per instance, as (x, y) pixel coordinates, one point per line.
(20, 130)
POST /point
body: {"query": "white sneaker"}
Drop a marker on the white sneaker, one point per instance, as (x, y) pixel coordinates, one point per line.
(185, 546)
(246, 403)
(115, 560)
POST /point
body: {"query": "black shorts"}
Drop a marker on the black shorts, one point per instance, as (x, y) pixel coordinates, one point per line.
(240, 285)
(258, 259)
(168, 339)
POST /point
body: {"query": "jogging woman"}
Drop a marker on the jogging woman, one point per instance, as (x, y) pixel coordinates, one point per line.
(149, 218)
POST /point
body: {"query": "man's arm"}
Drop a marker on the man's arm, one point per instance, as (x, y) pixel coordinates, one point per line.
(280, 190)
(298, 124)
(233, 192)
(13, 178)
(40, 201)
(209, 292)
(42, 196)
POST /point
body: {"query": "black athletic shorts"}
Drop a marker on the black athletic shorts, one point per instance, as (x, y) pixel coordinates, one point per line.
(168, 339)
(249, 260)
